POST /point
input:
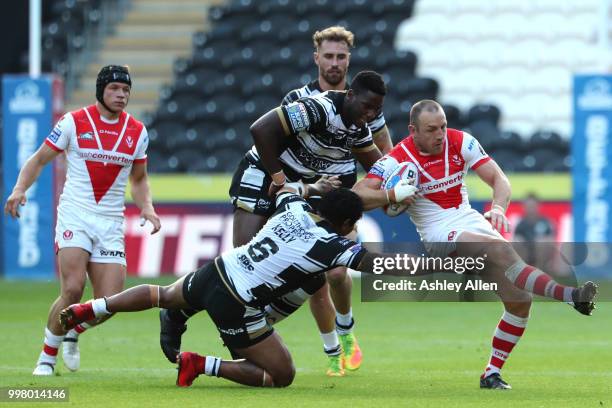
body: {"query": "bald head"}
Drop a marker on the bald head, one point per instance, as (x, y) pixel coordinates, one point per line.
(428, 126)
(426, 105)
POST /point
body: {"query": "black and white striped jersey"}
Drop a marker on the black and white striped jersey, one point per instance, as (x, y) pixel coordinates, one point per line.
(293, 245)
(318, 141)
(313, 88)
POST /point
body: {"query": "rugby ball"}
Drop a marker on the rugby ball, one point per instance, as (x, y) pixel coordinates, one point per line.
(404, 171)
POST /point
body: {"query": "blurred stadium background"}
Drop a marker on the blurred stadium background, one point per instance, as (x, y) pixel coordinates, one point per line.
(204, 70)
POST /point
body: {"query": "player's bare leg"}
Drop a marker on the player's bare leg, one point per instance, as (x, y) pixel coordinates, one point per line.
(137, 298)
(106, 280)
(269, 362)
(266, 364)
(245, 226)
(72, 265)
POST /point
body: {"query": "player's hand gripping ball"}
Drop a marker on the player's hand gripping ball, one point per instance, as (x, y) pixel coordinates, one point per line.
(401, 184)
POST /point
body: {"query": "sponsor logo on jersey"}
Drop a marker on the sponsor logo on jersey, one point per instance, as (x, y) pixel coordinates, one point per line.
(298, 116)
(263, 204)
(67, 235)
(104, 252)
(246, 263)
(106, 157)
(108, 132)
(86, 136)
(355, 248)
(55, 133)
(442, 184)
(431, 163)
(378, 170)
(129, 141)
(231, 332)
(293, 226)
(471, 145)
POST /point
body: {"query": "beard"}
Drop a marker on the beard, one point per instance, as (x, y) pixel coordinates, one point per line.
(334, 78)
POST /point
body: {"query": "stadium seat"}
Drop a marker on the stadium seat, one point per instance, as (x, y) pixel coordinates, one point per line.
(485, 131)
(453, 116)
(508, 160)
(544, 139)
(483, 112)
(417, 88)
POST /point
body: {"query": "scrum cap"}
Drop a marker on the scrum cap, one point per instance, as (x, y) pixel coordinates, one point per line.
(108, 74)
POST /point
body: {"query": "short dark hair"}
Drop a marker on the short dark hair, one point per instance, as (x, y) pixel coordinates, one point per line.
(340, 205)
(427, 105)
(369, 81)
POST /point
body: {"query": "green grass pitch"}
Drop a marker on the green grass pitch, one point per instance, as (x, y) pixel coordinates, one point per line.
(415, 355)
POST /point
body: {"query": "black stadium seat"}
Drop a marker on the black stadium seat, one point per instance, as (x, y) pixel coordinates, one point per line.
(484, 112)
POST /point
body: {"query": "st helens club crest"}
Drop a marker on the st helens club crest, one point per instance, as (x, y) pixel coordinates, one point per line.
(68, 235)
(129, 141)
(451, 235)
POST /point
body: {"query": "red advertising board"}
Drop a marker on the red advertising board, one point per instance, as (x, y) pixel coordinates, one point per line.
(192, 234)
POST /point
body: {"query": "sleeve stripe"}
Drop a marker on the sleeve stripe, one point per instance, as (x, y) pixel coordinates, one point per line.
(364, 149)
(480, 162)
(139, 161)
(52, 146)
(281, 116)
(373, 176)
(379, 132)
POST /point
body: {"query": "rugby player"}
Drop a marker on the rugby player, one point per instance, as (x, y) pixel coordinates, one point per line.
(104, 146)
(449, 226)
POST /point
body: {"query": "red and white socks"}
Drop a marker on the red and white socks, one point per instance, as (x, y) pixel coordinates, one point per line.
(52, 342)
(78, 329)
(533, 280)
(507, 333)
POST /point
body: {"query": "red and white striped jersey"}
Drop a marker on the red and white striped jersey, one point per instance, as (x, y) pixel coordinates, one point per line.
(440, 177)
(100, 154)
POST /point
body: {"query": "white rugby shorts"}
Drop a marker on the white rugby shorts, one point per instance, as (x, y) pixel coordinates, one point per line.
(440, 239)
(102, 237)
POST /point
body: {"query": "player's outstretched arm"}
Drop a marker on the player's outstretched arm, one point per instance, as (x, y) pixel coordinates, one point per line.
(268, 134)
(373, 196)
(27, 176)
(141, 193)
(324, 185)
(494, 176)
